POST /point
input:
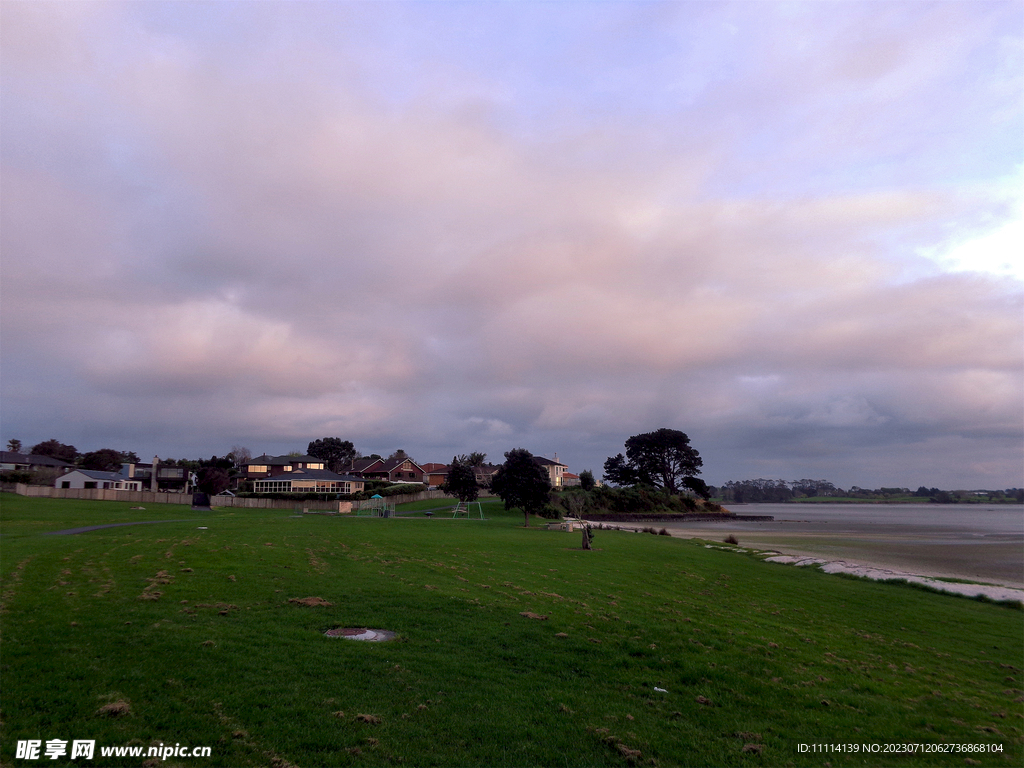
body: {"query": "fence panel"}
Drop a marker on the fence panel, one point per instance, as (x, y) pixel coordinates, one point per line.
(149, 497)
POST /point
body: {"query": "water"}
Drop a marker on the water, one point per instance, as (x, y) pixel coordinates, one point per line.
(983, 542)
(966, 519)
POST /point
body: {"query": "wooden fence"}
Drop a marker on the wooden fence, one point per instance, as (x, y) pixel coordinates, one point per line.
(148, 497)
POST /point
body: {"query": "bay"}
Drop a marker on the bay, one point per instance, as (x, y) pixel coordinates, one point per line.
(982, 542)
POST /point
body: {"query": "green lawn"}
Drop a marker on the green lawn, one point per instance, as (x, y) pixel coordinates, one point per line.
(193, 631)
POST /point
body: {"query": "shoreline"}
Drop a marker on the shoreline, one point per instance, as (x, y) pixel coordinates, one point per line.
(876, 556)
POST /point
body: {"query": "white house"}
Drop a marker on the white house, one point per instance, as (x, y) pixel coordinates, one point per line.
(555, 469)
(91, 478)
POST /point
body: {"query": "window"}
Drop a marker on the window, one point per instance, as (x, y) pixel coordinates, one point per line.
(258, 468)
(106, 486)
(89, 486)
(65, 484)
(273, 486)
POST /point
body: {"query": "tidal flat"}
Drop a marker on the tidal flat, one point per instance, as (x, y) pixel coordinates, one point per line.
(982, 543)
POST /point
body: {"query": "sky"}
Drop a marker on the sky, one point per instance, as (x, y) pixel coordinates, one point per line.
(792, 230)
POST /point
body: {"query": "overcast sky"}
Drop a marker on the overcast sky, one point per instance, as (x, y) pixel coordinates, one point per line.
(792, 230)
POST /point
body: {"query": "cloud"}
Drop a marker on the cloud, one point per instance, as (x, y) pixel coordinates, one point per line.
(264, 229)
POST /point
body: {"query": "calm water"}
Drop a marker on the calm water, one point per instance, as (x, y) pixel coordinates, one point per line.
(971, 519)
(978, 542)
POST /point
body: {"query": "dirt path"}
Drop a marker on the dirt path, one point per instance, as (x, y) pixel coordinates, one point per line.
(70, 531)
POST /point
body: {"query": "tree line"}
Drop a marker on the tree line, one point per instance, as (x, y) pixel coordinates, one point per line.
(768, 491)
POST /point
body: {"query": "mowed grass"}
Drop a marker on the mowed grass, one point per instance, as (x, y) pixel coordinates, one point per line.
(194, 631)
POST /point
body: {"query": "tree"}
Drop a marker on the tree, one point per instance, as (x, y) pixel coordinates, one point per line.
(461, 480)
(587, 481)
(337, 453)
(400, 455)
(55, 450)
(576, 502)
(521, 482)
(14, 446)
(240, 455)
(103, 460)
(129, 457)
(698, 486)
(662, 458)
(213, 480)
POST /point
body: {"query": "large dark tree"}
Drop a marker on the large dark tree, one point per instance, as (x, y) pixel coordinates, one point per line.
(337, 453)
(14, 446)
(521, 482)
(55, 450)
(662, 458)
(213, 480)
(461, 480)
(104, 460)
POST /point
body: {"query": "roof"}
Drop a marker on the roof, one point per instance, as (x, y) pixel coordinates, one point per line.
(433, 467)
(547, 462)
(32, 459)
(361, 465)
(95, 474)
(394, 464)
(280, 461)
(314, 474)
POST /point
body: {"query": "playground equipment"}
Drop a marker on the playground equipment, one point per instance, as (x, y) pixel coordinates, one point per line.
(466, 508)
(378, 507)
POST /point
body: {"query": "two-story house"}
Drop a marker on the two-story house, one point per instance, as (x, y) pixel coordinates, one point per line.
(393, 470)
(297, 474)
(554, 468)
(266, 466)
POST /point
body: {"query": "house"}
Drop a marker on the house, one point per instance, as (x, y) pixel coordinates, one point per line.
(485, 473)
(554, 468)
(21, 462)
(92, 478)
(569, 480)
(434, 474)
(303, 480)
(266, 466)
(391, 470)
(167, 477)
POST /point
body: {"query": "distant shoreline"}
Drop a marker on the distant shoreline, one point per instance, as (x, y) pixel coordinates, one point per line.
(1007, 503)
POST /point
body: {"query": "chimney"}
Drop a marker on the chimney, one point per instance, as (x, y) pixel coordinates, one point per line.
(152, 477)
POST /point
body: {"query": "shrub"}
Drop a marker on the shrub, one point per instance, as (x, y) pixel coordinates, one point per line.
(730, 539)
(549, 512)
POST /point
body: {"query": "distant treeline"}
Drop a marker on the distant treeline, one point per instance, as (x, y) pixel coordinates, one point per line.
(780, 491)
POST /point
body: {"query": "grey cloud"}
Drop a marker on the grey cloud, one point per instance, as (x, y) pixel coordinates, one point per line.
(274, 257)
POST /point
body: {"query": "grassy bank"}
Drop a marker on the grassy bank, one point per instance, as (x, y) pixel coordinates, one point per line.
(192, 630)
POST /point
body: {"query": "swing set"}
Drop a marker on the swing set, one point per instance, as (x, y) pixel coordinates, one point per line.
(466, 508)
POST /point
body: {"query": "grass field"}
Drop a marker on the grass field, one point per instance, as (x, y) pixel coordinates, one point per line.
(190, 633)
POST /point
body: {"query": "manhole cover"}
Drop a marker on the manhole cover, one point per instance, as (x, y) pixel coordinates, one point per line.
(354, 633)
